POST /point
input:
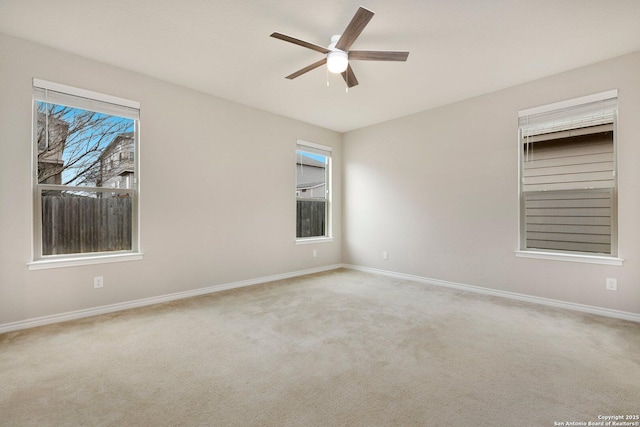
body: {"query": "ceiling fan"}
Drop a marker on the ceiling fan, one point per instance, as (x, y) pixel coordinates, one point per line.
(338, 53)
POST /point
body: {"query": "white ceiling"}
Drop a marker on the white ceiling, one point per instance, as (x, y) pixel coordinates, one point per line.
(459, 48)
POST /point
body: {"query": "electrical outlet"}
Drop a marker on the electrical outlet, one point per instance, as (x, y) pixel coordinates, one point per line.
(612, 284)
(98, 282)
(385, 255)
(315, 253)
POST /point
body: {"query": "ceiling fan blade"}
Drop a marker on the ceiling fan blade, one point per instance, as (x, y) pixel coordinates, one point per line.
(355, 27)
(349, 77)
(299, 42)
(377, 55)
(307, 69)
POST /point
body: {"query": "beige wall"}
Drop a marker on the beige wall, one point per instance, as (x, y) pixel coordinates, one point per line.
(438, 190)
(197, 231)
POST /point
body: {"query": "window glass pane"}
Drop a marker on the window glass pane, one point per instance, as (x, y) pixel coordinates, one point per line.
(78, 147)
(311, 218)
(567, 185)
(573, 163)
(311, 194)
(311, 175)
(569, 220)
(75, 222)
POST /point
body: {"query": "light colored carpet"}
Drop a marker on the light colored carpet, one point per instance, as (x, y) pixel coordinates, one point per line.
(342, 348)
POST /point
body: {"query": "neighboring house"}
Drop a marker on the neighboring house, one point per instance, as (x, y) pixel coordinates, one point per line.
(50, 163)
(311, 178)
(116, 162)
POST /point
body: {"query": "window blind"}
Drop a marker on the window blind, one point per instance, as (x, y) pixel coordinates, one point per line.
(583, 116)
(56, 93)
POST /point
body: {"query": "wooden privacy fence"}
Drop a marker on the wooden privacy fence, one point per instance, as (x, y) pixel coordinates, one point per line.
(310, 218)
(80, 224)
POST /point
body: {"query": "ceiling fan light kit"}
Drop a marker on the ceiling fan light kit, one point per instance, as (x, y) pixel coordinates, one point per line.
(337, 61)
(338, 53)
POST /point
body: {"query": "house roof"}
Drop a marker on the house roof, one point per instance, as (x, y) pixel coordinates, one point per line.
(308, 161)
(458, 49)
(116, 139)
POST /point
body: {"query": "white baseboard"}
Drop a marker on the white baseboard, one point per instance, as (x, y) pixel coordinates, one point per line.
(624, 315)
(79, 314)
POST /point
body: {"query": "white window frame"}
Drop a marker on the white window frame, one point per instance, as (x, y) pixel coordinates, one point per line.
(328, 237)
(93, 101)
(566, 255)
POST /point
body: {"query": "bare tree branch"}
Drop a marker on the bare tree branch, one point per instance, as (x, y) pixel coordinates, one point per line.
(71, 141)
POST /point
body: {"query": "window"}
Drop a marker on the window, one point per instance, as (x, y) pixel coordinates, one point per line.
(313, 191)
(568, 177)
(85, 194)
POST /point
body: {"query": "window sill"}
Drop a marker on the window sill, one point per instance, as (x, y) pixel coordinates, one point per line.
(589, 259)
(310, 240)
(86, 260)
